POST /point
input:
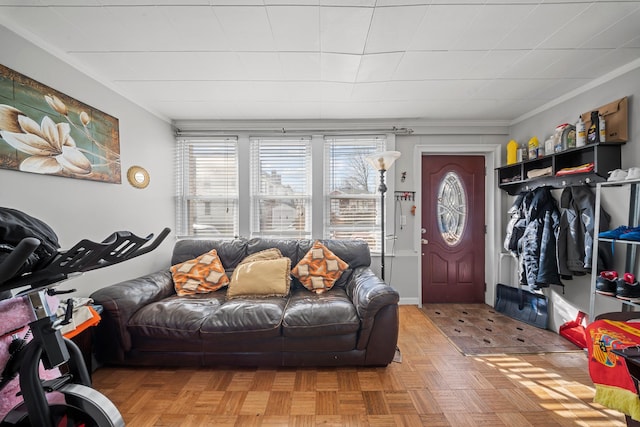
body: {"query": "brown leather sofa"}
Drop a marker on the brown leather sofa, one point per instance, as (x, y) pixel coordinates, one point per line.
(144, 322)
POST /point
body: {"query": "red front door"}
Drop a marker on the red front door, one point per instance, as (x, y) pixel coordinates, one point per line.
(453, 229)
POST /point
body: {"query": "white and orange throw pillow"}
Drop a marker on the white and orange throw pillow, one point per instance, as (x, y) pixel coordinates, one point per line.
(201, 275)
(319, 269)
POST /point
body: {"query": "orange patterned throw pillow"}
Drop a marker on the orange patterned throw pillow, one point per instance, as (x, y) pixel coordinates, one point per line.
(199, 276)
(319, 269)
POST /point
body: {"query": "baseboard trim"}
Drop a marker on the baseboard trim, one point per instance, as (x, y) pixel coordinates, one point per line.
(408, 301)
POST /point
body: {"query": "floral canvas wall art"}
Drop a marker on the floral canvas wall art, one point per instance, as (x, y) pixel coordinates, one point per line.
(44, 131)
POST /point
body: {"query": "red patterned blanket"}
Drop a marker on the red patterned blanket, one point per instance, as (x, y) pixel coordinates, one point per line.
(615, 388)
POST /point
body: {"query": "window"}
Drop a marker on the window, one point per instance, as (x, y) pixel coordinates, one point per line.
(281, 187)
(207, 187)
(351, 189)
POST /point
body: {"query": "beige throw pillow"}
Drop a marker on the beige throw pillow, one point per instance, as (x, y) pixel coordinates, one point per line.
(273, 253)
(263, 278)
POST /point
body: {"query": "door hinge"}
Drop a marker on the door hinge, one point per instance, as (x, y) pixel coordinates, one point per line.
(485, 229)
(485, 286)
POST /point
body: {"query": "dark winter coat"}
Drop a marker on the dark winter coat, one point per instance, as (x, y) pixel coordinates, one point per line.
(537, 247)
(576, 233)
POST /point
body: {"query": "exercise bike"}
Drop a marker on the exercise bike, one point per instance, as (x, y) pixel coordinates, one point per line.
(77, 404)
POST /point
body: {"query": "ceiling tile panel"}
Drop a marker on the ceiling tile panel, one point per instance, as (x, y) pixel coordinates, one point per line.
(532, 64)
(437, 65)
(496, 62)
(432, 89)
(544, 20)
(627, 28)
(261, 65)
(490, 26)
(339, 67)
(442, 26)
(246, 28)
(300, 65)
(393, 28)
(593, 20)
(369, 92)
(194, 28)
(344, 29)
(295, 28)
(378, 67)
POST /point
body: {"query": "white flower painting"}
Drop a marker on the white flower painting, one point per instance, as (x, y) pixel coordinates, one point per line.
(42, 133)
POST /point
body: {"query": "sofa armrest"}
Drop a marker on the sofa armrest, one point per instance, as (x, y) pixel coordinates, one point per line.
(120, 302)
(370, 295)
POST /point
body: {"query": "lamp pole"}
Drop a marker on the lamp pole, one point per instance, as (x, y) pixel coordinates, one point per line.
(382, 189)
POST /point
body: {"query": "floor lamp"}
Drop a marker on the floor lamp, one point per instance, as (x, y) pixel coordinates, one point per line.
(382, 162)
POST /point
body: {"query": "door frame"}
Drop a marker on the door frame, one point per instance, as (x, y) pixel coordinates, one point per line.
(492, 156)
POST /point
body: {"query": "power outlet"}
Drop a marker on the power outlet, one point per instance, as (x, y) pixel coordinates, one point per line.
(403, 220)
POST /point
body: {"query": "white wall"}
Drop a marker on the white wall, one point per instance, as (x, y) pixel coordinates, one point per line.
(78, 209)
(564, 307)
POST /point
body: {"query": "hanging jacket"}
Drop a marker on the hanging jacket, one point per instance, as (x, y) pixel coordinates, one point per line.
(515, 226)
(576, 233)
(537, 247)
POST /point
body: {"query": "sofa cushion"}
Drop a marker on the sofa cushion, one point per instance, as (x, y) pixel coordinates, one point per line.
(329, 313)
(319, 269)
(242, 318)
(175, 317)
(267, 277)
(201, 275)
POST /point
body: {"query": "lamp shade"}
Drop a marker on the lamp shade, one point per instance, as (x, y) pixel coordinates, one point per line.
(383, 160)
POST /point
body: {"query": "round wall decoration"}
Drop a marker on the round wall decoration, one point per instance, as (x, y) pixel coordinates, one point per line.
(138, 176)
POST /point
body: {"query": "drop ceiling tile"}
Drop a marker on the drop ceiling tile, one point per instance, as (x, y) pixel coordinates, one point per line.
(437, 65)
(358, 3)
(145, 27)
(369, 92)
(378, 67)
(442, 26)
(295, 28)
(613, 60)
(393, 28)
(633, 43)
(194, 28)
(543, 21)
(532, 64)
(101, 29)
(261, 65)
(300, 65)
(339, 67)
(575, 64)
(490, 26)
(628, 28)
(496, 62)
(593, 20)
(292, 2)
(502, 89)
(432, 89)
(246, 28)
(344, 29)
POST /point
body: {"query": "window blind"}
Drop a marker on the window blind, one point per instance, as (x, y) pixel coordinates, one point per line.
(207, 187)
(352, 208)
(281, 187)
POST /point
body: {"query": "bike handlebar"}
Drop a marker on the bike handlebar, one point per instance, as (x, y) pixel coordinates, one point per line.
(85, 256)
(16, 259)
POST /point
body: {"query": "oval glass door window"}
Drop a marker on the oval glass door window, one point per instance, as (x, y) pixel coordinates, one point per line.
(452, 208)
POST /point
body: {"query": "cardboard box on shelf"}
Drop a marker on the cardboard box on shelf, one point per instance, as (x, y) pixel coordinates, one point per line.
(616, 117)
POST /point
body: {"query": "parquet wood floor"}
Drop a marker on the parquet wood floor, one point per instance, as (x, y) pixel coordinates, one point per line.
(434, 385)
